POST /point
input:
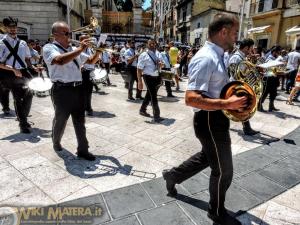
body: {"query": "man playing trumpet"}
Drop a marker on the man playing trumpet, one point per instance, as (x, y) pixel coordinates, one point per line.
(64, 64)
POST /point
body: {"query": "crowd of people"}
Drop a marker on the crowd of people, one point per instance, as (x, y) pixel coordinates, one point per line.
(70, 70)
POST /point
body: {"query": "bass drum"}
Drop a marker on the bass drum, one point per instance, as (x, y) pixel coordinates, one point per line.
(98, 75)
(40, 86)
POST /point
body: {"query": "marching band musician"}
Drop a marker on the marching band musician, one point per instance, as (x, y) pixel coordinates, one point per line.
(106, 62)
(271, 82)
(245, 48)
(87, 82)
(207, 77)
(292, 65)
(64, 64)
(131, 62)
(14, 64)
(165, 57)
(148, 68)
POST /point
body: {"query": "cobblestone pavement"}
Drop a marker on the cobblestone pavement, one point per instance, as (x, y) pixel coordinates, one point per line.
(132, 150)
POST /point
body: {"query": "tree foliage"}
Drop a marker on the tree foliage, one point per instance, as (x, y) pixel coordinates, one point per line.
(125, 5)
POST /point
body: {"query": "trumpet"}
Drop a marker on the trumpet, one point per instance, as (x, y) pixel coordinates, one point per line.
(93, 46)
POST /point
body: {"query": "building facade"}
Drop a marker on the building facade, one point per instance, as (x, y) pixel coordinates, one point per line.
(272, 20)
(236, 6)
(36, 17)
(112, 20)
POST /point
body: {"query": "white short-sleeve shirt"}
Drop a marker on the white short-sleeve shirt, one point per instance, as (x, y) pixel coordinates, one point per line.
(207, 72)
(147, 64)
(66, 73)
(23, 52)
(129, 53)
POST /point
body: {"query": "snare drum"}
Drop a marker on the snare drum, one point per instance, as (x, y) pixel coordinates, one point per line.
(98, 75)
(167, 75)
(40, 86)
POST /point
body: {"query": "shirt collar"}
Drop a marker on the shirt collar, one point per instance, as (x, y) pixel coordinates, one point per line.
(10, 39)
(216, 48)
(241, 53)
(55, 42)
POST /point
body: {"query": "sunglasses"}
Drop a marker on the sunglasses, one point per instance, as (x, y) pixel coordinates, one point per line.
(66, 33)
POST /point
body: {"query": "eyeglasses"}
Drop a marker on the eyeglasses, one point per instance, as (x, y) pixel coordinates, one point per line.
(66, 33)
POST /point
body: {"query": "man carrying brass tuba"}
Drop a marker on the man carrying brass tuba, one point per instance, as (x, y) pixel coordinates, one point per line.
(245, 48)
(207, 77)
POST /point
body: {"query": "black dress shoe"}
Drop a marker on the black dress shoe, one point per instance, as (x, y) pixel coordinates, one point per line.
(28, 124)
(223, 218)
(250, 132)
(170, 185)
(144, 113)
(57, 148)
(25, 130)
(6, 112)
(171, 96)
(88, 156)
(90, 112)
(131, 98)
(273, 109)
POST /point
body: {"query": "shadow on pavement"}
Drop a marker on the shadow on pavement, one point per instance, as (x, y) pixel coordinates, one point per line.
(103, 166)
(244, 217)
(260, 138)
(34, 137)
(165, 122)
(103, 114)
(168, 99)
(283, 115)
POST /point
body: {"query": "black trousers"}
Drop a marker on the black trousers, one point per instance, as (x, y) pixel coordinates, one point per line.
(132, 79)
(270, 88)
(153, 84)
(212, 130)
(168, 84)
(291, 80)
(87, 85)
(69, 100)
(107, 67)
(22, 96)
(4, 97)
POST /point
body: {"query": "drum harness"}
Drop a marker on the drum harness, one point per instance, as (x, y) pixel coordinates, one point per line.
(14, 53)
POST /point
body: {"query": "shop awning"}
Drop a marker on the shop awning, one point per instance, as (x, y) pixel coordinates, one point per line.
(259, 29)
(293, 30)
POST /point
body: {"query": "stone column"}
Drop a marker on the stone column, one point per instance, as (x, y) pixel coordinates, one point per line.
(137, 20)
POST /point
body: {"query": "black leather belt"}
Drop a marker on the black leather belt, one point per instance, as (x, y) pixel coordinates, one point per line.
(69, 84)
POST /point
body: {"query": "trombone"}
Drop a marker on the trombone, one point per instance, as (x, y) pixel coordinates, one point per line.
(93, 45)
(89, 30)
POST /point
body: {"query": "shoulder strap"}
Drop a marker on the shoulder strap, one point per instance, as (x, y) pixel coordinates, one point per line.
(14, 52)
(155, 63)
(74, 60)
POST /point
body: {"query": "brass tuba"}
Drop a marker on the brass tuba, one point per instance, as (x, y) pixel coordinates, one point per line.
(248, 82)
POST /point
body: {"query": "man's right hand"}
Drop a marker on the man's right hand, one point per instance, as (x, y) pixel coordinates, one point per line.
(140, 85)
(17, 73)
(236, 103)
(86, 43)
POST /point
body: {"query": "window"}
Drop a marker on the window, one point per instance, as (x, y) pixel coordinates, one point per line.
(261, 5)
(275, 4)
(94, 3)
(80, 9)
(184, 9)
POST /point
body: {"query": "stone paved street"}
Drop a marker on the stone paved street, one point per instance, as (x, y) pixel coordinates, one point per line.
(132, 151)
